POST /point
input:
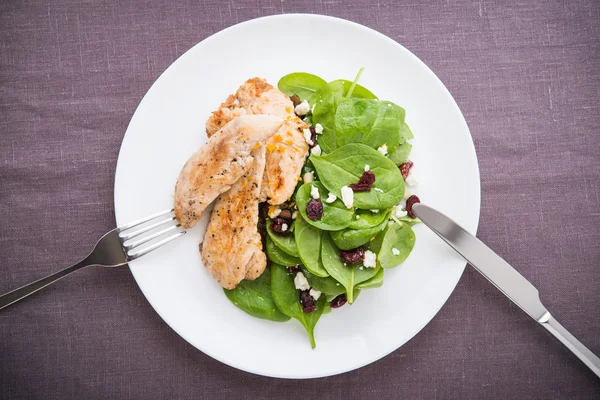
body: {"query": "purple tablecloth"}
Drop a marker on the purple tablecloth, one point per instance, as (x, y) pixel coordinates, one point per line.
(527, 78)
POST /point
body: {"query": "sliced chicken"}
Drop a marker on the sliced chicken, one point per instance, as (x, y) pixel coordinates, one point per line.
(286, 154)
(214, 168)
(286, 151)
(257, 96)
(232, 247)
(227, 111)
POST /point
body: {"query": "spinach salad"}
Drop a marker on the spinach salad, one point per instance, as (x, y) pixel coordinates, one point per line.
(350, 216)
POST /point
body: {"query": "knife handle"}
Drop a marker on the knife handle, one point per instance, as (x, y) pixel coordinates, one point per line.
(582, 352)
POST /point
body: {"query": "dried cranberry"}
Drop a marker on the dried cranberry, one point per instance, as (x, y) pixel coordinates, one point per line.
(313, 136)
(277, 225)
(338, 301)
(360, 187)
(368, 177)
(365, 183)
(314, 209)
(409, 205)
(295, 99)
(307, 302)
(293, 270)
(405, 168)
(353, 256)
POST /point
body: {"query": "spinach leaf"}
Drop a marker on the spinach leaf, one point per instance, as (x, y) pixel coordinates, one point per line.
(330, 297)
(370, 122)
(356, 293)
(374, 282)
(367, 219)
(346, 164)
(400, 153)
(395, 236)
(355, 82)
(276, 255)
(348, 275)
(308, 242)
(301, 83)
(341, 87)
(255, 298)
(285, 243)
(326, 101)
(409, 221)
(287, 299)
(348, 239)
(327, 285)
(406, 133)
(335, 215)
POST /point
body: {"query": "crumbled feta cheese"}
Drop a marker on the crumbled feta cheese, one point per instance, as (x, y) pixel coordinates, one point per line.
(347, 196)
(411, 180)
(378, 190)
(383, 149)
(316, 150)
(295, 214)
(367, 167)
(370, 260)
(314, 192)
(300, 282)
(274, 211)
(284, 227)
(407, 194)
(358, 216)
(308, 136)
(315, 294)
(308, 177)
(302, 108)
(361, 268)
(398, 212)
(395, 251)
(318, 129)
(330, 198)
(337, 284)
(375, 211)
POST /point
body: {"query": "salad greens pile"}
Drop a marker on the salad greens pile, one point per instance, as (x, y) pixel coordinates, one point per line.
(337, 241)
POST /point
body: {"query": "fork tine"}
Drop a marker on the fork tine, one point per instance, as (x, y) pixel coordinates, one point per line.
(154, 246)
(148, 238)
(143, 220)
(131, 235)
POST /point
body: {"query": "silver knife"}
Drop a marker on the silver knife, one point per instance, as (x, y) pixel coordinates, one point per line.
(504, 277)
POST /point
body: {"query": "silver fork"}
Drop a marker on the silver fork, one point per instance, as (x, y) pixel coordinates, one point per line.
(114, 249)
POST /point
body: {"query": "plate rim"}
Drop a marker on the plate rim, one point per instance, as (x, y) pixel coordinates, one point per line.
(382, 36)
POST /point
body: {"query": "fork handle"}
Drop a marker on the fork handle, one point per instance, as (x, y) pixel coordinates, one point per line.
(24, 291)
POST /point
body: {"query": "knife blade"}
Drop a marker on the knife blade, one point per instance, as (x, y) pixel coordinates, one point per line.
(502, 275)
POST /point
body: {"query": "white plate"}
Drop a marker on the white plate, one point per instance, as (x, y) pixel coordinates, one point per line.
(168, 127)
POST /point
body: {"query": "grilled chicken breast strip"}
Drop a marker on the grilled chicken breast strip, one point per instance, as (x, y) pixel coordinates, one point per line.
(286, 150)
(232, 247)
(214, 168)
